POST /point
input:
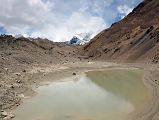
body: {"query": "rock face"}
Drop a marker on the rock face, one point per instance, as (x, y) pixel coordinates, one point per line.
(135, 38)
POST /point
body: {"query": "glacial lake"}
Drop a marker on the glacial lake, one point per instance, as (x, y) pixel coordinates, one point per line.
(98, 95)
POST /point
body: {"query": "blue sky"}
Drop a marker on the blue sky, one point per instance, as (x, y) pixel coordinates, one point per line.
(59, 20)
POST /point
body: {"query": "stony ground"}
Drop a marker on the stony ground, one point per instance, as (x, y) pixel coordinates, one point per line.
(15, 85)
(25, 64)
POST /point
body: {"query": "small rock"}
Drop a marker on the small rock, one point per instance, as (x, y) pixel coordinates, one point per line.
(12, 116)
(116, 49)
(73, 73)
(6, 118)
(17, 104)
(6, 69)
(131, 43)
(24, 70)
(4, 113)
(19, 81)
(18, 74)
(12, 86)
(21, 96)
(44, 74)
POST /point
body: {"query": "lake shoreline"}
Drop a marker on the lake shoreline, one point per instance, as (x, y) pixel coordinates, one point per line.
(44, 74)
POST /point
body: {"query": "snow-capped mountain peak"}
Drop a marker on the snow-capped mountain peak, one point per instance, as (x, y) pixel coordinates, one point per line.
(18, 36)
(80, 39)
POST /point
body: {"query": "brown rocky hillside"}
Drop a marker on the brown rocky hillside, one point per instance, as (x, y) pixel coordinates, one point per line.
(25, 51)
(135, 38)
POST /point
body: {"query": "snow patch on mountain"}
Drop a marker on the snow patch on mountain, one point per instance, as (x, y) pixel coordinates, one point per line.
(80, 39)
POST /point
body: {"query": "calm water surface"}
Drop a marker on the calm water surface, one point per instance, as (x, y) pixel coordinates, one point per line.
(99, 95)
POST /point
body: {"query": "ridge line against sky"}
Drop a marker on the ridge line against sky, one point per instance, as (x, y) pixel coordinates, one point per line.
(59, 20)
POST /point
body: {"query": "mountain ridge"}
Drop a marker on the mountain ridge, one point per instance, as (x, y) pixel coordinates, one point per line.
(135, 38)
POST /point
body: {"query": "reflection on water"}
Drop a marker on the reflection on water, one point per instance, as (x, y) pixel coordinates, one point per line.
(102, 95)
(123, 83)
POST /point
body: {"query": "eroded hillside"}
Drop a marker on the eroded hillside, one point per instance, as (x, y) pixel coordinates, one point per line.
(135, 38)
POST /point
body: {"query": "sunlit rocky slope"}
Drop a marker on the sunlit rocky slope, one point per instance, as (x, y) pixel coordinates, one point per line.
(135, 38)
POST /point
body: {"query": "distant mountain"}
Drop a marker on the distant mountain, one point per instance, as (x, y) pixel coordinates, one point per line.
(80, 39)
(18, 36)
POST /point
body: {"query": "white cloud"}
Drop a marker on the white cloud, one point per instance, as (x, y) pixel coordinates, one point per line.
(19, 16)
(96, 6)
(58, 20)
(78, 22)
(124, 10)
(39, 19)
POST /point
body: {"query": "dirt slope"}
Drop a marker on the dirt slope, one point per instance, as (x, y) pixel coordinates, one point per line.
(135, 38)
(15, 51)
(18, 56)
